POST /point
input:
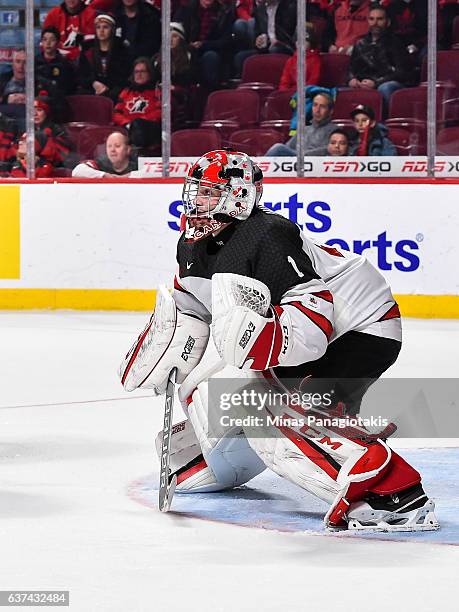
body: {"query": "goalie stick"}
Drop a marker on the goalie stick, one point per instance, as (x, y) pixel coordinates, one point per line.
(166, 484)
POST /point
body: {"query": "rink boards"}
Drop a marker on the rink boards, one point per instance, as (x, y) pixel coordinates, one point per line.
(109, 246)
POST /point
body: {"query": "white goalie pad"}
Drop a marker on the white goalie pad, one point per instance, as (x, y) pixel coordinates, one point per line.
(170, 339)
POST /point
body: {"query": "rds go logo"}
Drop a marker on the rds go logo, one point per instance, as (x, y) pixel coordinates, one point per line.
(316, 216)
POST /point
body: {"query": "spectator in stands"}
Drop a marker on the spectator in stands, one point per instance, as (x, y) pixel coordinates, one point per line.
(8, 130)
(183, 60)
(379, 59)
(184, 74)
(75, 23)
(117, 162)
(313, 63)
(372, 136)
(139, 107)
(51, 65)
(208, 24)
(275, 25)
(18, 168)
(317, 133)
(138, 24)
(52, 141)
(338, 143)
(104, 69)
(13, 85)
(244, 25)
(409, 22)
(447, 11)
(350, 23)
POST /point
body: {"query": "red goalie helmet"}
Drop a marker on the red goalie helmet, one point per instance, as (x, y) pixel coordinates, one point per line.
(223, 185)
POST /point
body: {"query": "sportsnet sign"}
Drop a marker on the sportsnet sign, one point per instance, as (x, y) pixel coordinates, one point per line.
(361, 167)
(388, 247)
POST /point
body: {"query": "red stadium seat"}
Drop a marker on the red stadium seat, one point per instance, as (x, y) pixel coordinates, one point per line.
(230, 109)
(348, 99)
(448, 141)
(402, 141)
(334, 69)
(276, 113)
(90, 109)
(277, 106)
(91, 141)
(61, 172)
(264, 68)
(416, 128)
(447, 67)
(74, 129)
(254, 142)
(192, 143)
(262, 89)
(412, 102)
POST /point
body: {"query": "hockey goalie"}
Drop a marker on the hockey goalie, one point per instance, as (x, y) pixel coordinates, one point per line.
(272, 305)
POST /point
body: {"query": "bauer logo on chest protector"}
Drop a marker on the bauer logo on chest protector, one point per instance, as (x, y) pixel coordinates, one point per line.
(188, 348)
(247, 335)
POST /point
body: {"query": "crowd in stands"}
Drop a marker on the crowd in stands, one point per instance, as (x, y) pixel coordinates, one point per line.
(112, 49)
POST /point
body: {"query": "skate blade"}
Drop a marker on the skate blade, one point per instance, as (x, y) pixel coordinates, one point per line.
(421, 521)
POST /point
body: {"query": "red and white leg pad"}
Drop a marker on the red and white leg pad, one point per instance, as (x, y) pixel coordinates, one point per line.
(364, 467)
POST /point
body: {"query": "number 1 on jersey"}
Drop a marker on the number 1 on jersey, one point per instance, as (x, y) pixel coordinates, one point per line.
(294, 266)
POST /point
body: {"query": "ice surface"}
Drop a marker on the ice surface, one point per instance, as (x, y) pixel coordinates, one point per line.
(76, 458)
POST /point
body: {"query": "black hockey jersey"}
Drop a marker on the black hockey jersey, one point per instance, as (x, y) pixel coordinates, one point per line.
(323, 291)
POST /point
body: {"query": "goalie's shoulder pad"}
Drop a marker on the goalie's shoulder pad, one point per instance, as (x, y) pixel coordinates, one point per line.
(170, 339)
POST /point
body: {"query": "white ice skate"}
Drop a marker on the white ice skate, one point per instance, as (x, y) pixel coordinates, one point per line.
(409, 510)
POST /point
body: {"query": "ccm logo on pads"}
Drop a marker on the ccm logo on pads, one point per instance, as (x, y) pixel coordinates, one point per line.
(188, 348)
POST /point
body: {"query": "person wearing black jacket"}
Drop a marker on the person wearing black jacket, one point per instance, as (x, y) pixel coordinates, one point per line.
(275, 26)
(379, 59)
(51, 66)
(138, 24)
(104, 69)
(208, 25)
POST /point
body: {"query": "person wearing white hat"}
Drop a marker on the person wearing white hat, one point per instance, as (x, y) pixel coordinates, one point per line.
(104, 69)
(184, 70)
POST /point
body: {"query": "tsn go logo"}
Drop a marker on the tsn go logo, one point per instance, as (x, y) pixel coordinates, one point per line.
(402, 255)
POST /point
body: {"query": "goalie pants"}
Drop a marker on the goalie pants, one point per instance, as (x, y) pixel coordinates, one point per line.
(351, 364)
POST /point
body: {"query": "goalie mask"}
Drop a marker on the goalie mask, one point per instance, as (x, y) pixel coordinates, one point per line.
(222, 185)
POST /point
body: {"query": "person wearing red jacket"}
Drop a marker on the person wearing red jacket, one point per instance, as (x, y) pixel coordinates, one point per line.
(51, 140)
(313, 64)
(139, 106)
(75, 23)
(350, 24)
(43, 168)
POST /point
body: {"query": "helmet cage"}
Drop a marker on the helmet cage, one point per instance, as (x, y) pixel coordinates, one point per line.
(222, 182)
(207, 192)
